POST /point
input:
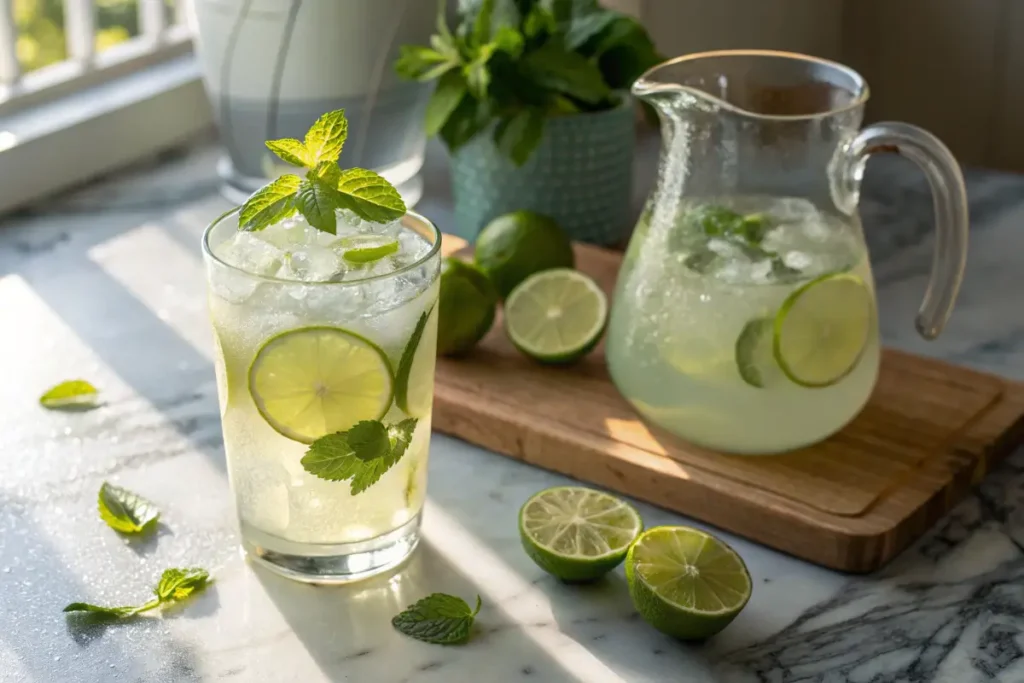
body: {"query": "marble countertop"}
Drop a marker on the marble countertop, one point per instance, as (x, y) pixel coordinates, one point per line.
(108, 284)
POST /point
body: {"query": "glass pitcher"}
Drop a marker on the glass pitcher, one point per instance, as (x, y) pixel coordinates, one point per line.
(744, 318)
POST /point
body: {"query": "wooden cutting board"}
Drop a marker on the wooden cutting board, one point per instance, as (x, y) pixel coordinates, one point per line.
(929, 432)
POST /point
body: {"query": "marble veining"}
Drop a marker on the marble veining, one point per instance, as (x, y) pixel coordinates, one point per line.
(108, 283)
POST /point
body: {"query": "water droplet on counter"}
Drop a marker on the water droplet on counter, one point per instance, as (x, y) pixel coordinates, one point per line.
(56, 658)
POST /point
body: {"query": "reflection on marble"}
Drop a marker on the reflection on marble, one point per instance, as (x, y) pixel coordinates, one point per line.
(108, 284)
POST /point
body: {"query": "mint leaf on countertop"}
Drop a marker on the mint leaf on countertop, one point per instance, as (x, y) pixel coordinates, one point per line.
(362, 455)
(175, 586)
(76, 394)
(439, 618)
(125, 511)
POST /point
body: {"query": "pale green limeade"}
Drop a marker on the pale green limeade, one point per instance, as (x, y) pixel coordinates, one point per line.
(717, 330)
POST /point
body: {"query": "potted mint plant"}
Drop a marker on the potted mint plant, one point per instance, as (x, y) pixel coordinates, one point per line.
(531, 100)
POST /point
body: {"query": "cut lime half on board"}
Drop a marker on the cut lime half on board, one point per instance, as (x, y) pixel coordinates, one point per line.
(822, 328)
(314, 381)
(556, 316)
(576, 533)
(685, 582)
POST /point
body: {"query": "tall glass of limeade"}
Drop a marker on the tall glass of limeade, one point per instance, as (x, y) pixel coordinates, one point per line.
(325, 347)
(744, 318)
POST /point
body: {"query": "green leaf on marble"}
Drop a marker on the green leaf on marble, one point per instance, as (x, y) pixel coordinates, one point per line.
(125, 511)
(439, 618)
(175, 586)
(73, 395)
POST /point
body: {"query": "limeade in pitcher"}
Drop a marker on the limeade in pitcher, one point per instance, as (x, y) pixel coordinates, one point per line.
(748, 325)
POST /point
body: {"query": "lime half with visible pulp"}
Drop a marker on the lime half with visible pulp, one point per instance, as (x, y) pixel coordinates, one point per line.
(314, 381)
(686, 583)
(576, 533)
(414, 381)
(556, 316)
(822, 328)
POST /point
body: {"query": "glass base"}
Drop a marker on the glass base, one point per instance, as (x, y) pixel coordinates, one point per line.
(332, 563)
(237, 187)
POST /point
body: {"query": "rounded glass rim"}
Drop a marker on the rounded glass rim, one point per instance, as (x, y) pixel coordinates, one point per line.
(426, 222)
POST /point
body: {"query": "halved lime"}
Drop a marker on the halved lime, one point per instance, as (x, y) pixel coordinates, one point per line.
(822, 328)
(368, 248)
(313, 381)
(686, 583)
(414, 381)
(754, 358)
(576, 533)
(556, 316)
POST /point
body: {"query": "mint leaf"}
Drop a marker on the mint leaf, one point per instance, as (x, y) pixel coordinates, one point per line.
(418, 63)
(369, 196)
(447, 94)
(540, 21)
(76, 394)
(468, 119)
(269, 204)
(478, 77)
(317, 202)
(369, 440)
(482, 24)
(125, 511)
(114, 612)
(178, 584)
(552, 66)
(400, 436)
(583, 28)
(439, 618)
(292, 151)
(359, 455)
(519, 135)
(326, 137)
(175, 585)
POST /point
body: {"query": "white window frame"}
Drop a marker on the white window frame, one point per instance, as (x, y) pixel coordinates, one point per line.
(93, 113)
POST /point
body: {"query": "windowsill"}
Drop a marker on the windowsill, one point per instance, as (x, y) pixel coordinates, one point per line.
(48, 147)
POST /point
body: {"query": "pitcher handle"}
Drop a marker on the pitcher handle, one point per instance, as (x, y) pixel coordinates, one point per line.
(949, 197)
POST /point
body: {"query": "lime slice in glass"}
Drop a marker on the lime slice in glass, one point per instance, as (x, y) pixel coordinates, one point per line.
(754, 357)
(686, 583)
(556, 316)
(822, 328)
(313, 381)
(414, 381)
(368, 248)
(576, 533)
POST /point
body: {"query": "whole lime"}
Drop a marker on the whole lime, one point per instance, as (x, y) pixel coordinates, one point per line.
(515, 246)
(466, 307)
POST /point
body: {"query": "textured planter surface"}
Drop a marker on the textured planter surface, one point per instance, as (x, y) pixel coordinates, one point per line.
(580, 175)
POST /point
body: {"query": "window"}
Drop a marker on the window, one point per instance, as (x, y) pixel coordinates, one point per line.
(90, 85)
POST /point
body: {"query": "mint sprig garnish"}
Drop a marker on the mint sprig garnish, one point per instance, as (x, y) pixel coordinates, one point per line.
(76, 394)
(125, 511)
(439, 618)
(360, 455)
(175, 586)
(325, 187)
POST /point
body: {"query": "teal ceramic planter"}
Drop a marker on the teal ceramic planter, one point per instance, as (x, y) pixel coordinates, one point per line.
(580, 175)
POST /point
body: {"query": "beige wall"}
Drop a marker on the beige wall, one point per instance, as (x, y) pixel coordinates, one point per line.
(955, 67)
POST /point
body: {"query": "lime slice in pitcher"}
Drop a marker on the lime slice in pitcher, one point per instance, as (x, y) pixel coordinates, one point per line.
(822, 329)
(754, 357)
(314, 381)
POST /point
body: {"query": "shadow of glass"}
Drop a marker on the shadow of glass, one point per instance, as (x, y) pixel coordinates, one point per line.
(348, 632)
